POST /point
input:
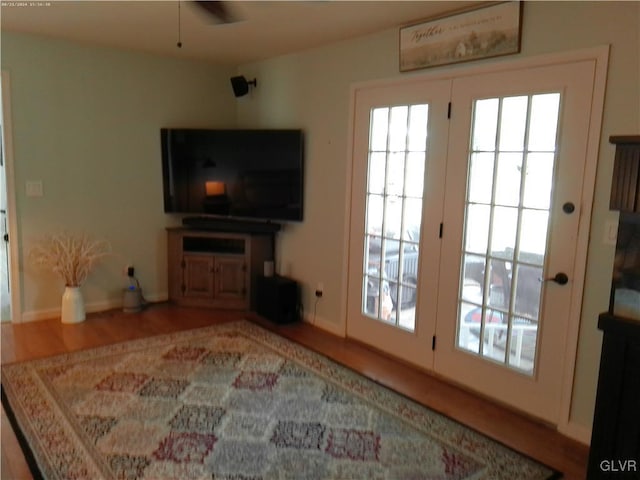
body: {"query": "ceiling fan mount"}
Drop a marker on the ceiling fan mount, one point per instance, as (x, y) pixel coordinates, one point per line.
(219, 11)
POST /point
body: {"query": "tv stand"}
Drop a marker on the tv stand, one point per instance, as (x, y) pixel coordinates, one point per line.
(231, 225)
(216, 269)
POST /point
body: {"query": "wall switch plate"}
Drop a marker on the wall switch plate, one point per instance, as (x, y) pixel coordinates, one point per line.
(34, 188)
(610, 233)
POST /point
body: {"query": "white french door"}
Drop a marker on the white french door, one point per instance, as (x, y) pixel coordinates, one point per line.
(514, 195)
(398, 190)
(488, 305)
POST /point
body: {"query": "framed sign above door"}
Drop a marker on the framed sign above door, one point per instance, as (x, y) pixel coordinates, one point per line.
(472, 35)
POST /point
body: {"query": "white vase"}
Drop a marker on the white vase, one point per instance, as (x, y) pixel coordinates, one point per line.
(72, 305)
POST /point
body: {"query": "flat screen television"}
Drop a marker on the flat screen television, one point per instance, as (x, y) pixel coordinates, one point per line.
(250, 174)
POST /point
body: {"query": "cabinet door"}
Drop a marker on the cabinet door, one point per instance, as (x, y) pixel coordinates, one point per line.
(230, 278)
(198, 276)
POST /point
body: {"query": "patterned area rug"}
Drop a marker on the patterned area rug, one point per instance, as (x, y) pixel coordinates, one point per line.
(235, 402)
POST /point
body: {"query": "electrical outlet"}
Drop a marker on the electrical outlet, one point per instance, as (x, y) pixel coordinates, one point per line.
(130, 271)
(319, 290)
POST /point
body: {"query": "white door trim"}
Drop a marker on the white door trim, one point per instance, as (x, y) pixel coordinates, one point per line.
(601, 56)
(565, 425)
(12, 218)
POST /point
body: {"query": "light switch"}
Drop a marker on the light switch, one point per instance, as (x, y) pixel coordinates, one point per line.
(610, 232)
(34, 188)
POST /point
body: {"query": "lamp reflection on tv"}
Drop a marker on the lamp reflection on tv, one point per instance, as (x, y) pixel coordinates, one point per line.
(216, 200)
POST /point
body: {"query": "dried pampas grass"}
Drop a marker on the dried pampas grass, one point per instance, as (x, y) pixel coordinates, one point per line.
(70, 256)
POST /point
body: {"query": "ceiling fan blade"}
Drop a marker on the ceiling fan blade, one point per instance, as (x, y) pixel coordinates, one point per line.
(217, 9)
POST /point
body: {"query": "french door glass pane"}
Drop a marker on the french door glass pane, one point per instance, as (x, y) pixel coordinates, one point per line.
(513, 124)
(477, 237)
(392, 217)
(377, 164)
(398, 128)
(508, 180)
(418, 128)
(397, 156)
(481, 175)
(374, 213)
(533, 239)
(415, 174)
(544, 122)
(504, 232)
(379, 130)
(538, 181)
(474, 267)
(412, 217)
(528, 286)
(485, 126)
(507, 213)
(395, 174)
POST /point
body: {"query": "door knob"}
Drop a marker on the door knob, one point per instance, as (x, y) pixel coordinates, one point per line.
(568, 207)
(560, 278)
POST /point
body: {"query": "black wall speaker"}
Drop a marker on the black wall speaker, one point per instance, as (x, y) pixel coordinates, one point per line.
(241, 85)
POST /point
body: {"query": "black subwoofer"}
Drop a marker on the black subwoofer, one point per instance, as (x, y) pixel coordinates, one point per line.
(277, 299)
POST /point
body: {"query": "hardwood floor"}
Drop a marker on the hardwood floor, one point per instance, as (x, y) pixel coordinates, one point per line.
(45, 338)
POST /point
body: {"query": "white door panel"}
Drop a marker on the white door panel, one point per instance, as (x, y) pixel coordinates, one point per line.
(500, 366)
(393, 248)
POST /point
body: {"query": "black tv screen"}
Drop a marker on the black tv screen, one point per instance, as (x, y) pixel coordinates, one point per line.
(255, 174)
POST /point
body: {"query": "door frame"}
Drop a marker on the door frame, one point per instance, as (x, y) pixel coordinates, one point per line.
(12, 218)
(598, 54)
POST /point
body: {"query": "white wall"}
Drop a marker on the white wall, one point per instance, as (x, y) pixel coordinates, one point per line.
(311, 90)
(86, 122)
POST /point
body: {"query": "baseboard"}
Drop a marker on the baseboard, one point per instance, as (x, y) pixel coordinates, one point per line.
(36, 315)
(155, 297)
(577, 432)
(92, 307)
(324, 324)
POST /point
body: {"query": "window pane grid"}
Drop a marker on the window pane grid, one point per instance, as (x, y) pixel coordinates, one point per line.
(511, 234)
(394, 210)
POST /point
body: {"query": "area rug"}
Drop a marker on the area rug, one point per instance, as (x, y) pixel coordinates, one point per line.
(235, 402)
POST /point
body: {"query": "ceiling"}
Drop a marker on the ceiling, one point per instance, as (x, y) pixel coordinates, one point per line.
(265, 29)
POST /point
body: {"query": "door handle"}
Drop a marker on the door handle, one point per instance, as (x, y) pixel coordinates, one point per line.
(560, 278)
